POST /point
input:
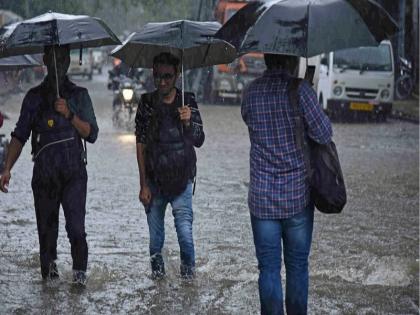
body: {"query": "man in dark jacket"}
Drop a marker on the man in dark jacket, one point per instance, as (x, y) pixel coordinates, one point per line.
(57, 124)
(166, 134)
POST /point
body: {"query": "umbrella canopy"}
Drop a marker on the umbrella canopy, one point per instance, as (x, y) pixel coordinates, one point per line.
(51, 29)
(307, 28)
(79, 31)
(192, 42)
(18, 62)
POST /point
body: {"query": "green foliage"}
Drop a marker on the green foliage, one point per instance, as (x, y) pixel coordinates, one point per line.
(30, 8)
(167, 10)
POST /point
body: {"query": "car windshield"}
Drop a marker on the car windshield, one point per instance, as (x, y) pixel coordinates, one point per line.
(364, 58)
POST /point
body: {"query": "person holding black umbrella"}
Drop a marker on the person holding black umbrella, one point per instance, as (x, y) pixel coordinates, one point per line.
(166, 133)
(58, 125)
(281, 210)
(169, 126)
(59, 115)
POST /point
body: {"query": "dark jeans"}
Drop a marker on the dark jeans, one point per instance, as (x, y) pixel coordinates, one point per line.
(296, 235)
(67, 188)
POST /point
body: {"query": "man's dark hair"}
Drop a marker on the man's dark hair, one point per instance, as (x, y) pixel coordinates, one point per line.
(286, 62)
(166, 58)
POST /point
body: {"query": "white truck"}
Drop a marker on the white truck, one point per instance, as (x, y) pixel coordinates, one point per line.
(353, 83)
(357, 82)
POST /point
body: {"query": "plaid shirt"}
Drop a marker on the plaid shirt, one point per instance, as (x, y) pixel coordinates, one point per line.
(278, 188)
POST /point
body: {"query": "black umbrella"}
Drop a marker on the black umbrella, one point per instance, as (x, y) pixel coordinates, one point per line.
(18, 62)
(191, 41)
(50, 29)
(307, 28)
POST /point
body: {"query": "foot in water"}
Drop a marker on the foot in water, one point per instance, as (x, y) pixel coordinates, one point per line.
(79, 278)
(52, 272)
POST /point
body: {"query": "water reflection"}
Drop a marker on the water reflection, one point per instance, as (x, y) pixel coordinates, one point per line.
(127, 139)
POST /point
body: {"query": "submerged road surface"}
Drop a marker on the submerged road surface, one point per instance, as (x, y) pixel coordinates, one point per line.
(363, 261)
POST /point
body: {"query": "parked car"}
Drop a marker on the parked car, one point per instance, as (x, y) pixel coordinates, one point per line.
(86, 68)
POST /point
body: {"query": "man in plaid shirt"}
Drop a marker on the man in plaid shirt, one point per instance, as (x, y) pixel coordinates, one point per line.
(279, 201)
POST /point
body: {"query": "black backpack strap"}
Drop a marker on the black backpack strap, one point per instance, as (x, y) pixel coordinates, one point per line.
(195, 181)
(302, 144)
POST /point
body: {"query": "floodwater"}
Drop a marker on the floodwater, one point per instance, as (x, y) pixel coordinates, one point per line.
(363, 261)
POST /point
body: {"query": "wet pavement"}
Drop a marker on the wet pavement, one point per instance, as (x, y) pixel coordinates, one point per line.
(363, 261)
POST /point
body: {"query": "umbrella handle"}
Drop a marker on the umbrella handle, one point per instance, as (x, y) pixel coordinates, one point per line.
(56, 75)
(182, 73)
(182, 89)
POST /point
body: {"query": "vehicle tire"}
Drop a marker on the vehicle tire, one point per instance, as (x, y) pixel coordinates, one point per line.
(90, 75)
(381, 117)
(100, 70)
(321, 102)
(326, 110)
(115, 120)
(403, 87)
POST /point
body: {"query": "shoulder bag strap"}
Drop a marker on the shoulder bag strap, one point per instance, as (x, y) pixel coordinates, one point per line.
(293, 93)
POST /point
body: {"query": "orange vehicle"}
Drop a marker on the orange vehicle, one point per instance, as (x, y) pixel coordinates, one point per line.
(229, 80)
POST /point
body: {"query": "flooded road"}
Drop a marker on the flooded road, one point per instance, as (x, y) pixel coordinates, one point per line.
(363, 261)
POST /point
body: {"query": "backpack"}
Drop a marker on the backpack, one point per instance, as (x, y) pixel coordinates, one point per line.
(169, 164)
(324, 175)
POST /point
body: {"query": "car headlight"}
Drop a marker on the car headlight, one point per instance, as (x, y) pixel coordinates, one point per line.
(240, 86)
(225, 85)
(127, 94)
(385, 94)
(338, 90)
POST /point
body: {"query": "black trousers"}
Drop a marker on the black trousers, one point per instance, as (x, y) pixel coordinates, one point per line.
(67, 188)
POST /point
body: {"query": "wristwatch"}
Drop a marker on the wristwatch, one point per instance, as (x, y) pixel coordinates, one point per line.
(71, 116)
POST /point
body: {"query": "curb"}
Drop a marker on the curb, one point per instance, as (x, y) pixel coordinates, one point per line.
(396, 114)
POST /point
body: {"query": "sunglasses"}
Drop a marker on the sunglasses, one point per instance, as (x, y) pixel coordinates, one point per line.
(163, 76)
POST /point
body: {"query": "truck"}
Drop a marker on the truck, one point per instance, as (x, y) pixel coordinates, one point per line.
(228, 81)
(8, 17)
(357, 82)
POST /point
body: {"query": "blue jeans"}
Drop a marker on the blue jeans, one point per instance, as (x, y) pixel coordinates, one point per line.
(183, 217)
(296, 234)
